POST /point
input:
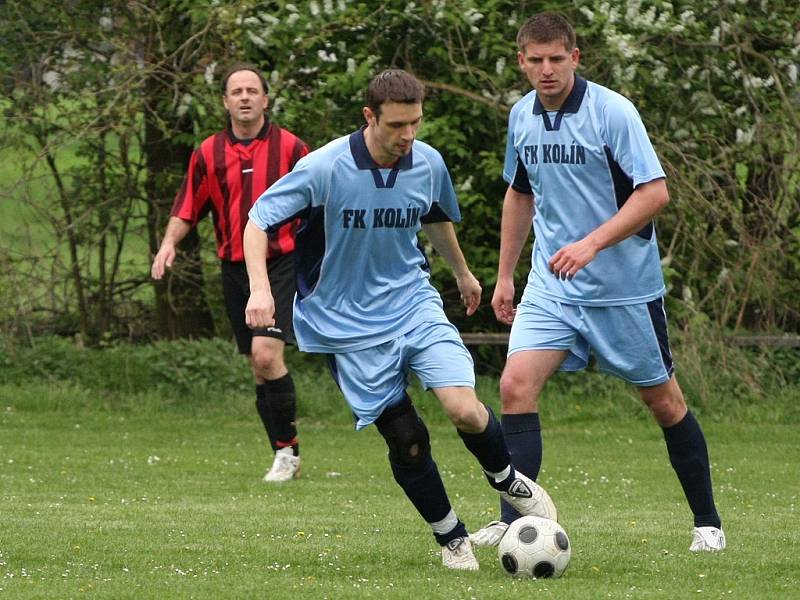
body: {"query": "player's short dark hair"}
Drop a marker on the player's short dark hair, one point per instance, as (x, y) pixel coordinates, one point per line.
(393, 85)
(544, 28)
(242, 66)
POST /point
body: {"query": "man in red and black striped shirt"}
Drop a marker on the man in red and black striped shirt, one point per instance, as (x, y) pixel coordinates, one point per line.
(227, 173)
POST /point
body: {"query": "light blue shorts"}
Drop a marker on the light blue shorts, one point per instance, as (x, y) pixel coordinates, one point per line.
(376, 378)
(630, 341)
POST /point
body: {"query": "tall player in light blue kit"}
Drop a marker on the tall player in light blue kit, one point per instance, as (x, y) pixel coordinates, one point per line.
(365, 299)
(580, 165)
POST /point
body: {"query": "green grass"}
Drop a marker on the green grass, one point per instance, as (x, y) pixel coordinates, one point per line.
(149, 500)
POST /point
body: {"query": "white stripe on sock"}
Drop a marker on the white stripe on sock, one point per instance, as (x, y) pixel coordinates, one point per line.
(445, 525)
(502, 475)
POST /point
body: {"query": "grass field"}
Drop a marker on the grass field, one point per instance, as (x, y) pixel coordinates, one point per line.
(152, 501)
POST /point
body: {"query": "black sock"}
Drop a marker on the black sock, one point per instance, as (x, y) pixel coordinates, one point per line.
(458, 531)
(282, 408)
(688, 455)
(424, 487)
(523, 435)
(488, 447)
(262, 406)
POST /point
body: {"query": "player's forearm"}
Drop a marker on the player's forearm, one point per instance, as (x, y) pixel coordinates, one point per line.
(255, 256)
(639, 210)
(177, 229)
(443, 238)
(515, 228)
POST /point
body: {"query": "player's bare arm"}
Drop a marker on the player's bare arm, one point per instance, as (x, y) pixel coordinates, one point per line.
(443, 237)
(515, 228)
(260, 310)
(641, 207)
(177, 229)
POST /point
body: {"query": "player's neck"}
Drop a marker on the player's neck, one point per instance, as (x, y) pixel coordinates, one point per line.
(382, 159)
(246, 131)
(552, 104)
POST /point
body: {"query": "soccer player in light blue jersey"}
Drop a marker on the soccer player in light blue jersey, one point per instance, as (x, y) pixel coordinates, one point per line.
(581, 167)
(365, 299)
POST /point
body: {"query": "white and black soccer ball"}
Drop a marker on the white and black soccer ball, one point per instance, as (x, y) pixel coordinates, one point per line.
(535, 547)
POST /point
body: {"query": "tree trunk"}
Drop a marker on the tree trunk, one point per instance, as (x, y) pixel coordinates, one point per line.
(181, 306)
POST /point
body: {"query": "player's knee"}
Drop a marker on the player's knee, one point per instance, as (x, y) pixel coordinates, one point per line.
(517, 393)
(267, 361)
(666, 408)
(405, 434)
(468, 415)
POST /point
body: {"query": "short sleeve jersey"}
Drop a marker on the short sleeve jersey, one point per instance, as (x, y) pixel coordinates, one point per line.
(362, 276)
(582, 163)
(227, 175)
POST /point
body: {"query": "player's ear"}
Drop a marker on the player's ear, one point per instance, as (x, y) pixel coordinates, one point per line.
(368, 115)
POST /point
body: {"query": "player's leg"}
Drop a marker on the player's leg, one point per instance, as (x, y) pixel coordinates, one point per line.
(236, 291)
(373, 382)
(521, 383)
(276, 403)
(438, 356)
(482, 435)
(416, 472)
(542, 341)
(632, 343)
(276, 396)
(688, 455)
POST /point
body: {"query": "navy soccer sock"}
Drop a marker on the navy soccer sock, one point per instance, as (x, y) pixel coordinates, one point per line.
(688, 455)
(489, 448)
(423, 485)
(523, 435)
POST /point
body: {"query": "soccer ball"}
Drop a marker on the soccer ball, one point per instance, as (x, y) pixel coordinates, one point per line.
(534, 547)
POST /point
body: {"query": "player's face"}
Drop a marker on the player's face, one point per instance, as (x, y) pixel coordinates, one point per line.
(244, 98)
(390, 136)
(550, 68)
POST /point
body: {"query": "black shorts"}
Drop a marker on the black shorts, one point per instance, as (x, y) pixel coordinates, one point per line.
(236, 292)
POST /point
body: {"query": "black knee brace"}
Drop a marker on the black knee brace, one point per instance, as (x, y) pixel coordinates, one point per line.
(405, 434)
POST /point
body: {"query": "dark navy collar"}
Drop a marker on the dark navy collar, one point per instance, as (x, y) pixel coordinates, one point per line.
(261, 135)
(364, 160)
(573, 102)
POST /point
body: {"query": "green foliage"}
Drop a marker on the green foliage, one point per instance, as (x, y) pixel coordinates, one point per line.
(717, 88)
(716, 85)
(719, 381)
(182, 369)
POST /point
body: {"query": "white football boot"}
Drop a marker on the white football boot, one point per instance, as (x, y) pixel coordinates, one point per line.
(285, 467)
(457, 554)
(707, 539)
(529, 498)
(489, 535)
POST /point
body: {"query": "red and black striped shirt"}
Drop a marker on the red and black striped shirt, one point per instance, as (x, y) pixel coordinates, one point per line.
(227, 176)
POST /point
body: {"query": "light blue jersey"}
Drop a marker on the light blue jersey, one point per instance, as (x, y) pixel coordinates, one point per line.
(582, 163)
(362, 277)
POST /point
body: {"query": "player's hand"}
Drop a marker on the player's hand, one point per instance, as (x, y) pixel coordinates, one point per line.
(503, 302)
(565, 263)
(470, 290)
(162, 261)
(260, 311)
